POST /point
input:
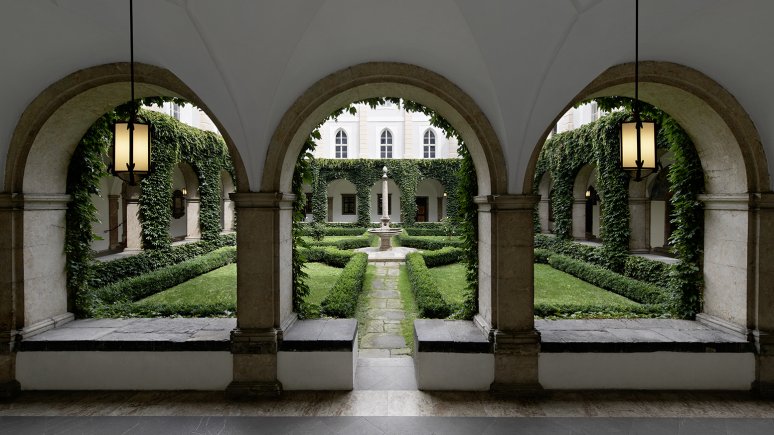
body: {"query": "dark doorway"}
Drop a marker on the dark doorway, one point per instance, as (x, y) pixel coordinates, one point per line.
(422, 209)
(330, 209)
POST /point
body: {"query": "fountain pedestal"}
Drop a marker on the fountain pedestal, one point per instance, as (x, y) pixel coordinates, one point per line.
(384, 231)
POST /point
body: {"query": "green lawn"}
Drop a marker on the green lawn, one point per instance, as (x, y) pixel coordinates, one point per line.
(451, 282)
(556, 287)
(320, 281)
(551, 287)
(409, 307)
(218, 286)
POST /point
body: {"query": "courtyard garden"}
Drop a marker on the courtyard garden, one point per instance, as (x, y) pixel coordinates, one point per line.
(199, 279)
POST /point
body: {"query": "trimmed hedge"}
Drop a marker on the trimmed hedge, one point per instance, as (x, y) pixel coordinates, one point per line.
(639, 268)
(600, 311)
(635, 290)
(430, 302)
(107, 273)
(328, 255)
(334, 230)
(414, 231)
(348, 243)
(99, 301)
(443, 256)
(342, 299)
(431, 243)
(541, 255)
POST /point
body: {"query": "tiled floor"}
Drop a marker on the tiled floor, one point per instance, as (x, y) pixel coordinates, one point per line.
(388, 411)
(380, 425)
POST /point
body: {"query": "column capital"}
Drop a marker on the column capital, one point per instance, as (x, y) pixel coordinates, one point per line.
(763, 200)
(263, 199)
(507, 202)
(738, 202)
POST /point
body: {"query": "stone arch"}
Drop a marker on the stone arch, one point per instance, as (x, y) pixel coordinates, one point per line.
(737, 183)
(544, 190)
(35, 180)
(378, 79)
(582, 205)
(227, 212)
(190, 188)
(433, 190)
(726, 138)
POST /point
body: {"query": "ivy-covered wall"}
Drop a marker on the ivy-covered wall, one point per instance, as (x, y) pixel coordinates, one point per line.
(364, 173)
(172, 143)
(597, 143)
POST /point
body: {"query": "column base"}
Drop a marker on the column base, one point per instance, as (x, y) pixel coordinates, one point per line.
(516, 362)
(237, 390)
(517, 390)
(9, 390)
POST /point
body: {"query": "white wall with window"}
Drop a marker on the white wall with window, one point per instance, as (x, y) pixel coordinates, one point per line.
(187, 114)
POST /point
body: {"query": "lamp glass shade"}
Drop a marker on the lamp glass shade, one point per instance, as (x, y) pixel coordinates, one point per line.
(141, 145)
(647, 146)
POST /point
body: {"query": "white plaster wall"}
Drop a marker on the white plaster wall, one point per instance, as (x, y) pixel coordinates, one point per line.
(178, 227)
(647, 371)
(124, 370)
(335, 189)
(376, 189)
(657, 225)
(316, 370)
(454, 371)
(45, 293)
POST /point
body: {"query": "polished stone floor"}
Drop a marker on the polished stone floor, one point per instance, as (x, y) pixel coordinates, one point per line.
(388, 411)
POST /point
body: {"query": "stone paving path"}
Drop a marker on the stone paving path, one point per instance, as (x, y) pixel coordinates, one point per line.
(381, 337)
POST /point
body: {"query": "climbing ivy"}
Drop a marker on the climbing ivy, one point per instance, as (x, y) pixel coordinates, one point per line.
(173, 142)
(597, 143)
(87, 167)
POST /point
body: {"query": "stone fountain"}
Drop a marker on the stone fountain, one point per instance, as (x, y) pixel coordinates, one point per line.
(384, 231)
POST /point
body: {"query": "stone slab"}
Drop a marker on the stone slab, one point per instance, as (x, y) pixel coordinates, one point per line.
(324, 335)
(449, 336)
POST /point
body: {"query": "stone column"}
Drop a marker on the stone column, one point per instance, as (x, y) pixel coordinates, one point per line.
(113, 221)
(132, 222)
(639, 218)
(579, 218)
(763, 324)
(506, 296)
(193, 230)
(264, 291)
(228, 215)
(11, 289)
(543, 207)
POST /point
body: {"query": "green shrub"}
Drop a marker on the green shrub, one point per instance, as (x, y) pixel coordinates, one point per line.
(418, 231)
(643, 269)
(598, 311)
(428, 242)
(147, 261)
(430, 302)
(541, 255)
(328, 255)
(635, 290)
(342, 299)
(443, 256)
(363, 241)
(313, 228)
(639, 268)
(98, 301)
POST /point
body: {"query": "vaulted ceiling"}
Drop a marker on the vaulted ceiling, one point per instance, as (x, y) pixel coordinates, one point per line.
(522, 61)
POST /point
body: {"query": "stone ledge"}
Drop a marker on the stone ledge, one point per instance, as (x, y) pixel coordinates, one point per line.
(320, 335)
(134, 335)
(449, 336)
(636, 335)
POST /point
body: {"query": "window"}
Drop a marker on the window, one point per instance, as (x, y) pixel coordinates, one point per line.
(175, 111)
(379, 207)
(429, 144)
(348, 204)
(386, 144)
(308, 205)
(341, 144)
